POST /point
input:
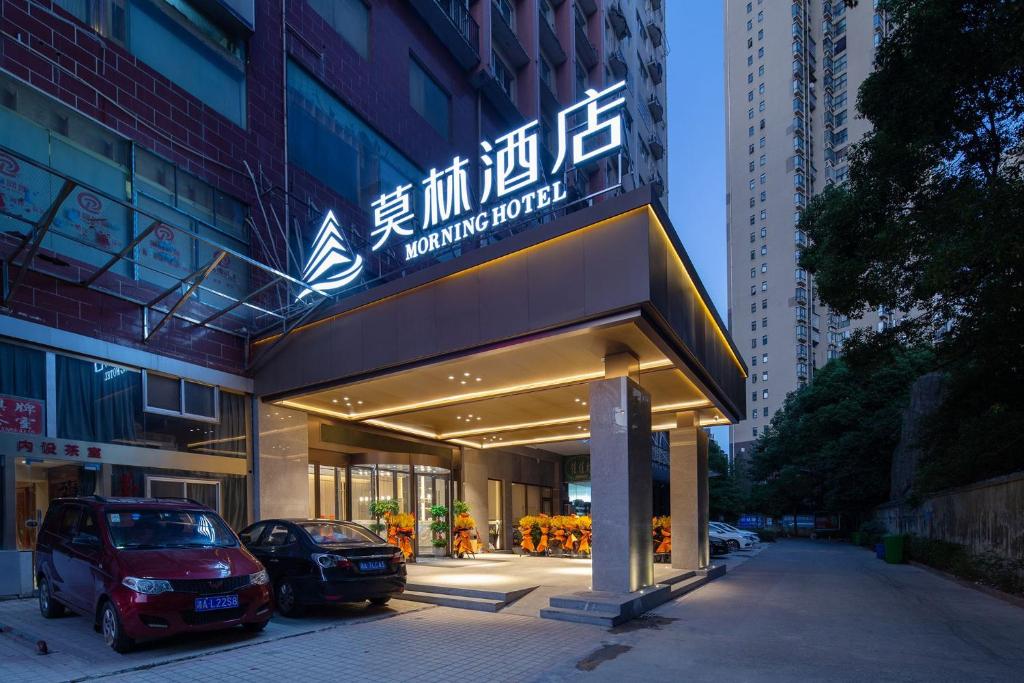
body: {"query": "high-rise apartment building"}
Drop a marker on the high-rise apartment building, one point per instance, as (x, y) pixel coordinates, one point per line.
(792, 74)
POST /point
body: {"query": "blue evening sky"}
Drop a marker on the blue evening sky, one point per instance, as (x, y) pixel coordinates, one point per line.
(695, 78)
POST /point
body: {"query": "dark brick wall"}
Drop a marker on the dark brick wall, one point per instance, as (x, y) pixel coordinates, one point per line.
(47, 48)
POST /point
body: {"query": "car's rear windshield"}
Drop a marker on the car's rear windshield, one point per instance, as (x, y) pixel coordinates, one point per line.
(152, 529)
(332, 532)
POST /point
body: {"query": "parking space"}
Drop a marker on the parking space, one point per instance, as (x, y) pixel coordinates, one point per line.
(76, 650)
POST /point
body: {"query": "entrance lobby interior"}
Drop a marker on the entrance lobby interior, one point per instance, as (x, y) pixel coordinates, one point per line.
(474, 378)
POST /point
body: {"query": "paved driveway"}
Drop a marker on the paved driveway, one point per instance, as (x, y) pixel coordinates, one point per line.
(799, 611)
(807, 610)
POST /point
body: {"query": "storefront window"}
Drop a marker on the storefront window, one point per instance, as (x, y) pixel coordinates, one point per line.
(103, 403)
(362, 495)
(496, 514)
(22, 373)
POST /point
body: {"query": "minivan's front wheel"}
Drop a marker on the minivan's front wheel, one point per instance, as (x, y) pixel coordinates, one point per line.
(48, 607)
(113, 632)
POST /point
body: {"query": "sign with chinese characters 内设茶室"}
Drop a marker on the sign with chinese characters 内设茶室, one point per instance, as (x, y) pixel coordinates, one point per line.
(513, 186)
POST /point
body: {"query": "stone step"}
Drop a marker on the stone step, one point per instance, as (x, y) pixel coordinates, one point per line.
(456, 601)
(503, 596)
(582, 616)
(676, 578)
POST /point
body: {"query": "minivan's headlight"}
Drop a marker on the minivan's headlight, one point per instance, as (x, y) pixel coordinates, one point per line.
(260, 578)
(147, 586)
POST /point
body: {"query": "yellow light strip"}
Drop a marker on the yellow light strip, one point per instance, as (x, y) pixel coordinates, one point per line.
(688, 405)
(547, 439)
(470, 396)
(197, 444)
(693, 286)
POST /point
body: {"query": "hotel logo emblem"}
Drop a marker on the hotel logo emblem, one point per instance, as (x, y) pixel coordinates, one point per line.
(330, 267)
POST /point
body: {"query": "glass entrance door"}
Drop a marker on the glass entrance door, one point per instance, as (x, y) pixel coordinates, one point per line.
(431, 490)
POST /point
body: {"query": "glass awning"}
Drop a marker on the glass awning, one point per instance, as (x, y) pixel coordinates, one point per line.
(168, 260)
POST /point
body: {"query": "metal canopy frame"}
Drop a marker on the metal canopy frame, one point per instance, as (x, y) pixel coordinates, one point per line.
(271, 300)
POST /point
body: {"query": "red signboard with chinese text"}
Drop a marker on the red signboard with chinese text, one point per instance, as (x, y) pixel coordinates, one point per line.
(21, 415)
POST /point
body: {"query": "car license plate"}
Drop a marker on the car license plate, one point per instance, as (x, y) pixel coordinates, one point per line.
(216, 602)
(374, 565)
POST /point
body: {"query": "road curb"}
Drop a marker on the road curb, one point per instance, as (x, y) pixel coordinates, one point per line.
(981, 588)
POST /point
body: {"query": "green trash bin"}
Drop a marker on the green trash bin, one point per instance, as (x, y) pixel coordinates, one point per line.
(893, 549)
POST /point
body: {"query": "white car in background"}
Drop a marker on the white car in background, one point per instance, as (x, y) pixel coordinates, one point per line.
(750, 534)
(737, 540)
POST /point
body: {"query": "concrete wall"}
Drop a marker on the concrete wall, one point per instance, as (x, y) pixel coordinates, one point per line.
(987, 517)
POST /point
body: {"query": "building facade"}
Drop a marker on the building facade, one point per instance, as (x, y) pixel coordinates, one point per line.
(792, 74)
(164, 167)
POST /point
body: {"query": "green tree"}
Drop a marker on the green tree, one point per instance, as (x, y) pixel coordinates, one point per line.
(725, 499)
(829, 448)
(930, 221)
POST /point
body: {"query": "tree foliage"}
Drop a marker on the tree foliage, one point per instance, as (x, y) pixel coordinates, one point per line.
(830, 446)
(725, 499)
(930, 222)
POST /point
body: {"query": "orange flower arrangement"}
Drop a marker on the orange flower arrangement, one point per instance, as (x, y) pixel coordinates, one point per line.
(662, 528)
(463, 526)
(401, 527)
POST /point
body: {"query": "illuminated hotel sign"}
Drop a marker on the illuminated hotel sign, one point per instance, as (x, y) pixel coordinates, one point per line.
(512, 188)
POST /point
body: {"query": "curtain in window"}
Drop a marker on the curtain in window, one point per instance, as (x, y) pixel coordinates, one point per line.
(230, 437)
(97, 402)
(22, 372)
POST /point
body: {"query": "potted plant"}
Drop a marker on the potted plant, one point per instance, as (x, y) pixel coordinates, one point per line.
(439, 529)
(463, 526)
(382, 508)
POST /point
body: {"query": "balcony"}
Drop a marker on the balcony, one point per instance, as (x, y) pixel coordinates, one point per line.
(503, 32)
(549, 42)
(655, 4)
(584, 48)
(657, 184)
(654, 31)
(451, 21)
(548, 89)
(656, 70)
(656, 146)
(619, 24)
(656, 108)
(617, 64)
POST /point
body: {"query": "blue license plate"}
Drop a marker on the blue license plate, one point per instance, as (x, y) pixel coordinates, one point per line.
(216, 602)
(375, 565)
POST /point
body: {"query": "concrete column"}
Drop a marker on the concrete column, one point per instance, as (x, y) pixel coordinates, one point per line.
(474, 488)
(688, 491)
(620, 470)
(283, 453)
(8, 534)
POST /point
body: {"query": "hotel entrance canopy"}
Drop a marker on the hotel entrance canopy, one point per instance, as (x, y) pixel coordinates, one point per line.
(497, 347)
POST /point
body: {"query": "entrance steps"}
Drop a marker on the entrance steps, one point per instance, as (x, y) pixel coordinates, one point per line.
(611, 609)
(462, 598)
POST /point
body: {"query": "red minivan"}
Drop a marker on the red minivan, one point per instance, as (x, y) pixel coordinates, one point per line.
(144, 568)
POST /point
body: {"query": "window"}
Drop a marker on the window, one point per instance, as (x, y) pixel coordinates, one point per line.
(751, 166)
(751, 237)
(753, 290)
(755, 432)
(750, 77)
(251, 535)
(761, 142)
(750, 132)
(429, 99)
(760, 105)
(753, 253)
(764, 178)
(331, 143)
(750, 113)
(764, 286)
(350, 19)
(277, 535)
(764, 340)
(106, 18)
(764, 196)
(760, 53)
(755, 413)
(753, 273)
(69, 519)
(175, 396)
(753, 360)
(764, 358)
(753, 325)
(764, 214)
(760, 70)
(763, 160)
(764, 304)
(764, 250)
(764, 394)
(22, 372)
(211, 68)
(753, 343)
(753, 396)
(764, 267)
(753, 378)
(753, 307)
(750, 58)
(205, 491)
(752, 184)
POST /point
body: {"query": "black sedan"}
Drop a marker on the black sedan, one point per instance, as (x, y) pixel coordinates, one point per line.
(718, 546)
(325, 562)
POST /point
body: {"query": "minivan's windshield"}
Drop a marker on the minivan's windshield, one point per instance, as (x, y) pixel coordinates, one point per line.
(151, 529)
(333, 532)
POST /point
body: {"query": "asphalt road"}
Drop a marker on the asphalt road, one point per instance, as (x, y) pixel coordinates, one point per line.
(816, 611)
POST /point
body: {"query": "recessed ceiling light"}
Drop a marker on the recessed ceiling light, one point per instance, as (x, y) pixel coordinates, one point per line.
(345, 397)
(477, 379)
(471, 415)
(462, 382)
(465, 374)
(334, 400)
(583, 403)
(451, 376)
(359, 402)
(577, 400)
(479, 418)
